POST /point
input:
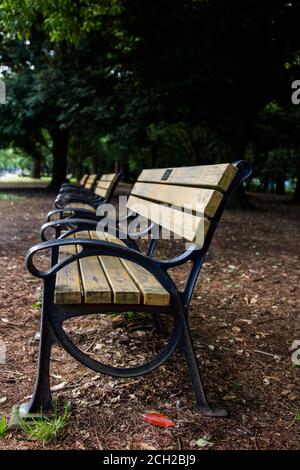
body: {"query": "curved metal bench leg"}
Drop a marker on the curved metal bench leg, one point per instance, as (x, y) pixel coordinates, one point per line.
(192, 363)
(158, 324)
(40, 402)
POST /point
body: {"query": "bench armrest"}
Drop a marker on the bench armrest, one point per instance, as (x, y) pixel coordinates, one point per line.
(85, 198)
(86, 224)
(91, 247)
(58, 225)
(76, 213)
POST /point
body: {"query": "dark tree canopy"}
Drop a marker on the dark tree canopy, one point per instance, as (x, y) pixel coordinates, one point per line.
(153, 83)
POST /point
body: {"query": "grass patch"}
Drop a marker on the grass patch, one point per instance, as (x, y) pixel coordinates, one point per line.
(23, 179)
(297, 416)
(47, 430)
(36, 305)
(3, 426)
(9, 197)
(237, 386)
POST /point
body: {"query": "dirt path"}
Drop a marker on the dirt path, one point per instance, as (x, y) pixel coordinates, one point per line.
(245, 315)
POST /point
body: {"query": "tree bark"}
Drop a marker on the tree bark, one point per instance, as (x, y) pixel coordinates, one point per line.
(60, 139)
(297, 190)
(280, 189)
(36, 168)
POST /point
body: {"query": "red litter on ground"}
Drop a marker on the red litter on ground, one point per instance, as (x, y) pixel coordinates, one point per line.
(158, 419)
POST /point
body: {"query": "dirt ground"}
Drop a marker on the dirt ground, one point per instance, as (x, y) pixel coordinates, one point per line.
(245, 315)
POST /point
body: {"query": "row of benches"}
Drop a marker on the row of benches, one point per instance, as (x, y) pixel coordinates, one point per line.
(96, 272)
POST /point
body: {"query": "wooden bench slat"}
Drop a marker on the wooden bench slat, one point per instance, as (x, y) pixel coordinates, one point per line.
(76, 205)
(202, 200)
(105, 185)
(101, 192)
(80, 205)
(96, 288)
(185, 225)
(152, 291)
(124, 289)
(207, 176)
(90, 181)
(68, 286)
(108, 177)
(83, 179)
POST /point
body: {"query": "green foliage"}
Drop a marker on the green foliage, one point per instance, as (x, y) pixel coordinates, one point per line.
(13, 159)
(46, 430)
(297, 415)
(3, 426)
(152, 83)
(237, 386)
(9, 197)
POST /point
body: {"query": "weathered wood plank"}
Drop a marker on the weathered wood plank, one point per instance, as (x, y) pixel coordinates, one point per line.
(83, 179)
(108, 177)
(201, 200)
(124, 289)
(152, 291)
(184, 225)
(207, 176)
(90, 181)
(96, 289)
(101, 192)
(76, 205)
(80, 205)
(105, 185)
(68, 285)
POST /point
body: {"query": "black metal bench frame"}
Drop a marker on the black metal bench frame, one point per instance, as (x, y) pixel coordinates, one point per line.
(84, 196)
(53, 316)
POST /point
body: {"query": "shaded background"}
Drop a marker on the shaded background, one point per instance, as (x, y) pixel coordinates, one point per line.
(98, 85)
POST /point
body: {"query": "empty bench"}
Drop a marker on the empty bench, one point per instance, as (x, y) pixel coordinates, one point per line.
(96, 272)
(87, 201)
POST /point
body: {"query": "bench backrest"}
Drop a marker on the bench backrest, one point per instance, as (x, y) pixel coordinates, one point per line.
(90, 182)
(83, 179)
(160, 195)
(106, 184)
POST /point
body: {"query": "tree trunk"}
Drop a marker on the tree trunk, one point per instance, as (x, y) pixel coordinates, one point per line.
(297, 190)
(124, 169)
(237, 150)
(60, 139)
(95, 163)
(36, 168)
(280, 189)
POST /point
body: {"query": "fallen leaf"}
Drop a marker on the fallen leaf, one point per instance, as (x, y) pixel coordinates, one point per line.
(158, 419)
(145, 446)
(3, 400)
(229, 397)
(204, 443)
(58, 387)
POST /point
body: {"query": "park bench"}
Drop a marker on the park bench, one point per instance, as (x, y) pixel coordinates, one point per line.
(90, 200)
(80, 184)
(97, 272)
(85, 187)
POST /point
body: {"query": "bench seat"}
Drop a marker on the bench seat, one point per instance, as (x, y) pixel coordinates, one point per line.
(106, 279)
(80, 205)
